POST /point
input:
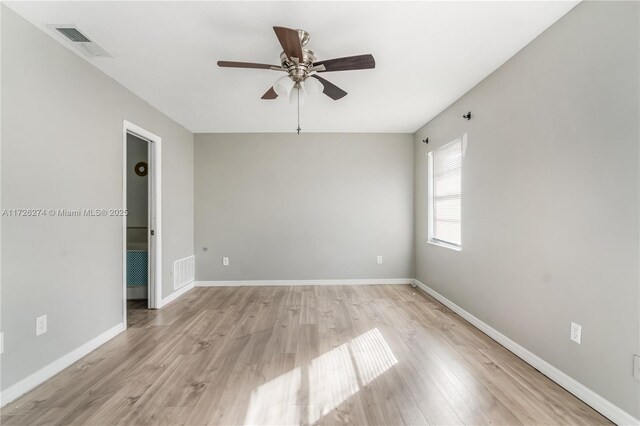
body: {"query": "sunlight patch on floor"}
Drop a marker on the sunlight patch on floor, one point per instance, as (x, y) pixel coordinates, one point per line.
(272, 402)
(330, 379)
(372, 355)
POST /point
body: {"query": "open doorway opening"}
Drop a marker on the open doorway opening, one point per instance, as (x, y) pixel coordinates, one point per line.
(138, 231)
(141, 226)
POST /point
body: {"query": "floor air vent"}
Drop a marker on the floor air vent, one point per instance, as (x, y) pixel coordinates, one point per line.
(81, 41)
(184, 271)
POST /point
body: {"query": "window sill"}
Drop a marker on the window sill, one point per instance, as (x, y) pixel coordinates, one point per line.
(445, 245)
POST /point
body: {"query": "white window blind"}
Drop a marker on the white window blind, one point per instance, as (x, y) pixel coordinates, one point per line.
(446, 194)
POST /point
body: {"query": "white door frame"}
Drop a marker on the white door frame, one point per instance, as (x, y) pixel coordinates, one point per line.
(155, 213)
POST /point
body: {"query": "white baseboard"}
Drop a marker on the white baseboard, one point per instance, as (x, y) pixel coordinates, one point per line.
(597, 402)
(48, 371)
(179, 292)
(271, 283)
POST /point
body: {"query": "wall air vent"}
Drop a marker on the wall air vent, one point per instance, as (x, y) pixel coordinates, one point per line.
(184, 271)
(80, 41)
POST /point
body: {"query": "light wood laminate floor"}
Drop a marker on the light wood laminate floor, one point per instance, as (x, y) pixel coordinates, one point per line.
(383, 354)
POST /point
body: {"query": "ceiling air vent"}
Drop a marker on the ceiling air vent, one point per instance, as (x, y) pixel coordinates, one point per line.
(80, 41)
(74, 35)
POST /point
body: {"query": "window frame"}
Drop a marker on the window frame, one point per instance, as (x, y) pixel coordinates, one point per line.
(431, 196)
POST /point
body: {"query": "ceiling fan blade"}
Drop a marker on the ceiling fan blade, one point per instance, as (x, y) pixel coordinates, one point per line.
(270, 94)
(360, 62)
(290, 42)
(232, 64)
(330, 89)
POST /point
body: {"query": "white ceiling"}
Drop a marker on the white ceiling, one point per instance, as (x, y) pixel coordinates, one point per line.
(427, 55)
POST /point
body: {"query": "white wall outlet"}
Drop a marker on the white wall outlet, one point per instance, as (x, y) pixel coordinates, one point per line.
(41, 325)
(225, 261)
(576, 333)
(379, 260)
(636, 367)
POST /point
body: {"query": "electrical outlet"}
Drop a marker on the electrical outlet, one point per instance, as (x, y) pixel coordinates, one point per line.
(379, 260)
(636, 367)
(41, 325)
(225, 261)
(576, 333)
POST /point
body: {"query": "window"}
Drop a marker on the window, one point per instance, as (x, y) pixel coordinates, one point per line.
(445, 195)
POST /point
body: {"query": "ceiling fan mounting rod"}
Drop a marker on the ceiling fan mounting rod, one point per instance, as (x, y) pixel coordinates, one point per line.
(299, 68)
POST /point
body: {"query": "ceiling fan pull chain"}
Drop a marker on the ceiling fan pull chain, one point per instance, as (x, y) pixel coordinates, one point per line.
(299, 111)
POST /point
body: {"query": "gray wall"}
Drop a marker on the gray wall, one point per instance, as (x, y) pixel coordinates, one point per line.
(137, 186)
(62, 148)
(551, 199)
(313, 206)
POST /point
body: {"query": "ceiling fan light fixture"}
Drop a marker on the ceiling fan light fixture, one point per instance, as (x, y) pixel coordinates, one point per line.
(283, 86)
(300, 64)
(313, 86)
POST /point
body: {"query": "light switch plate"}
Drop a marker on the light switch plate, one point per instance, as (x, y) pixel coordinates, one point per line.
(576, 333)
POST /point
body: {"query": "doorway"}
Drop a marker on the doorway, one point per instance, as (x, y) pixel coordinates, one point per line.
(141, 224)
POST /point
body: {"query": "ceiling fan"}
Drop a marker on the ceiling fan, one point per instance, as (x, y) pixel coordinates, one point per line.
(300, 64)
